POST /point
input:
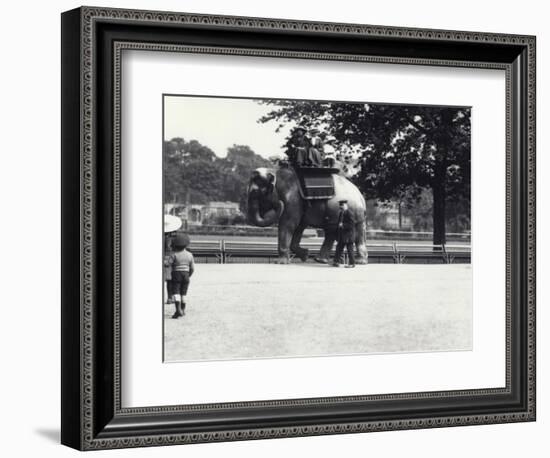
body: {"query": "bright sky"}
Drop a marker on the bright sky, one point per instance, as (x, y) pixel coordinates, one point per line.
(221, 122)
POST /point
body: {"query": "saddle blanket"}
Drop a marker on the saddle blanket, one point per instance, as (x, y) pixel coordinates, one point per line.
(316, 182)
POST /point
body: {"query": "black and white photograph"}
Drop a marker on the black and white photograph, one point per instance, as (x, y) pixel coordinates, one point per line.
(299, 228)
(275, 229)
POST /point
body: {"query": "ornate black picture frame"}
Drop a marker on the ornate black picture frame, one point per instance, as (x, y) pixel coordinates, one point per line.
(92, 42)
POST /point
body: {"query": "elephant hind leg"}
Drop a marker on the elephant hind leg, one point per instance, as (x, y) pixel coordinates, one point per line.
(295, 247)
(326, 248)
(361, 243)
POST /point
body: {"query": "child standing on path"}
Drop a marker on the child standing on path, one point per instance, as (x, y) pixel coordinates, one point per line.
(183, 266)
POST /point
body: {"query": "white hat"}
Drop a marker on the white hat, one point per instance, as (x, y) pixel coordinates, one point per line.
(171, 223)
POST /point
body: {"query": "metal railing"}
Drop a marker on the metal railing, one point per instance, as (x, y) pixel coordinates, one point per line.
(271, 231)
(233, 252)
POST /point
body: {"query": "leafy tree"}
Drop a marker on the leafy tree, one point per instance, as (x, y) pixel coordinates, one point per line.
(173, 178)
(194, 173)
(190, 151)
(395, 147)
(204, 177)
(188, 168)
(238, 165)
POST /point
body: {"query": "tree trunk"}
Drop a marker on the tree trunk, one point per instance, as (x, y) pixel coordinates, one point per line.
(440, 197)
(439, 184)
(400, 216)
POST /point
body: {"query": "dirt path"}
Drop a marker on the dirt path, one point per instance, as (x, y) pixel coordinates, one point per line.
(268, 310)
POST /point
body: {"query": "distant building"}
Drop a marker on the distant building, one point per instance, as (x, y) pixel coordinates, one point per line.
(197, 213)
(177, 209)
(220, 209)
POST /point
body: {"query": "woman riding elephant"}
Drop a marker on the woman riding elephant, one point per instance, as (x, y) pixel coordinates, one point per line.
(315, 153)
(298, 147)
(274, 196)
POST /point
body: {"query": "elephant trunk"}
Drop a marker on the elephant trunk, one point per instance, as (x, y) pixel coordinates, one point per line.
(261, 215)
(267, 220)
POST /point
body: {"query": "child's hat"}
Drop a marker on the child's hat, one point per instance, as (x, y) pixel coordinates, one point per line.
(181, 240)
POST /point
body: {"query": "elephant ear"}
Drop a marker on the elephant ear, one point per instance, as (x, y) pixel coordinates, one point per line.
(271, 179)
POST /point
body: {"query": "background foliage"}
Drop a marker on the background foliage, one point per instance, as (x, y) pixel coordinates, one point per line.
(397, 152)
(193, 173)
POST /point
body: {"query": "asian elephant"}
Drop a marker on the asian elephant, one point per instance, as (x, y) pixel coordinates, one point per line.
(274, 196)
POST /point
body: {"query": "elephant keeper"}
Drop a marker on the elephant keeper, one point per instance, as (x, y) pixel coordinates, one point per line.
(183, 266)
(346, 235)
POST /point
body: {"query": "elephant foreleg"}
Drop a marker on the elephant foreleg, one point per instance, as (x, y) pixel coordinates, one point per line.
(286, 232)
(295, 247)
(361, 243)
